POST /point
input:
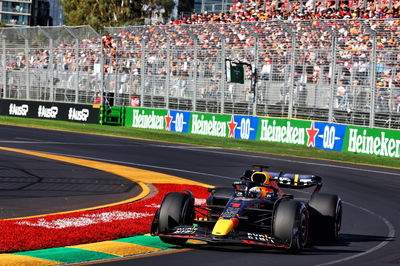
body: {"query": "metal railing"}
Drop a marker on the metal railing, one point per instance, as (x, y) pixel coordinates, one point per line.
(343, 71)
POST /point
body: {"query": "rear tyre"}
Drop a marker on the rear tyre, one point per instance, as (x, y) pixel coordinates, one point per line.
(326, 216)
(290, 224)
(176, 209)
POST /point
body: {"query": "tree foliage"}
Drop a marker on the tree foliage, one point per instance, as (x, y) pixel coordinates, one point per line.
(99, 13)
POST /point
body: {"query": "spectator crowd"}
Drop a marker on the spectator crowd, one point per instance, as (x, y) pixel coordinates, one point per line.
(256, 32)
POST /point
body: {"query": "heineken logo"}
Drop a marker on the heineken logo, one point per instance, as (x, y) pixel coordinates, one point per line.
(207, 127)
(283, 134)
(151, 121)
(360, 142)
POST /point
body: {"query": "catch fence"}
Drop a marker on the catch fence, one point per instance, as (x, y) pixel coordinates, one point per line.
(342, 71)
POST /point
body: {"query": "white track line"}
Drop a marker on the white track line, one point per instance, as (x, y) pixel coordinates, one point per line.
(210, 150)
(391, 234)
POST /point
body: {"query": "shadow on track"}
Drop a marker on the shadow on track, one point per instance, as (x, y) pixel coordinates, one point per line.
(314, 248)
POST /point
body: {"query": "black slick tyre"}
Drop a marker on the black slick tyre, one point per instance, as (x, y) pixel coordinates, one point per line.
(176, 209)
(326, 216)
(290, 224)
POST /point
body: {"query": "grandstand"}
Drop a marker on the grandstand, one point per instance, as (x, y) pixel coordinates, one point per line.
(323, 60)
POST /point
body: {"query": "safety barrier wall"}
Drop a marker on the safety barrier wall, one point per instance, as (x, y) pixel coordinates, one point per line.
(53, 111)
(321, 135)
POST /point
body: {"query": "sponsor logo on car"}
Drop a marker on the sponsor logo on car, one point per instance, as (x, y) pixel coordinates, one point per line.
(257, 237)
(185, 230)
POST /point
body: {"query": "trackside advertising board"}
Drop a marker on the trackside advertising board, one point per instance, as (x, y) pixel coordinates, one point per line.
(176, 121)
(372, 141)
(51, 110)
(321, 135)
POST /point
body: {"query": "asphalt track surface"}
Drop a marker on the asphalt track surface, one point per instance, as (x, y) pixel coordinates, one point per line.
(371, 195)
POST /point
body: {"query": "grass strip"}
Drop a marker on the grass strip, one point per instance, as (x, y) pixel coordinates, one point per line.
(236, 144)
(146, 240)
(66, 255)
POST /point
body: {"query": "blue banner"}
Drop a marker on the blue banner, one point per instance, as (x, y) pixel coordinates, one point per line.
(244, 127)
(177, 121)
(329, 136)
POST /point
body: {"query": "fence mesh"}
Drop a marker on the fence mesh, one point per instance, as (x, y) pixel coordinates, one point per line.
(344, 71)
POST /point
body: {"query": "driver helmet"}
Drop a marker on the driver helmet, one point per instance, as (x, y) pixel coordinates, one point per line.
(262, 178)
(255, 192)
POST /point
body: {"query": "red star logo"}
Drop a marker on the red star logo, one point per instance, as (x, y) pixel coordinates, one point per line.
(312, 133)
(168, 120)
(232, 125)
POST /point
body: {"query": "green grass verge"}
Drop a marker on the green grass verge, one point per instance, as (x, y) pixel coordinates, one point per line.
(245, 145)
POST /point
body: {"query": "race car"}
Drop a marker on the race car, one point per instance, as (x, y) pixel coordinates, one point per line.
(255, 211)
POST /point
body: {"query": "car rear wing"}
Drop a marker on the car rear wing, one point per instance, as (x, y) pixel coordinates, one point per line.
(292, 180)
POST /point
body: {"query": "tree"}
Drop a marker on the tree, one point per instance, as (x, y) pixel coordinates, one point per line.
(167, 4)
(100, 13)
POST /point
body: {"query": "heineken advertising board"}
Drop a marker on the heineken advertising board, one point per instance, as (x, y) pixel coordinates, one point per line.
(372, 141)
(245, 127)
(145, 118)
(231, 126)
(212, 125)
(320, 135)
(178, 121)
(329, 136)
(162, 119)
(286, 131)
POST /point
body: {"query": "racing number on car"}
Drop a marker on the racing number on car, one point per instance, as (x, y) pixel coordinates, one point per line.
(245, 128)
(329, 137)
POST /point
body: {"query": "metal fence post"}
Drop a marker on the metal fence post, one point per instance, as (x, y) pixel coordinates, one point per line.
(77, 70)
(142, 74)
(373, 73)
(168, 73)
(194, 107)
(333, 72)
(223, 66)
(51, 68)
(194, 69)
(291, 86)
(223, 76)
(4, 70)
(373, 82)
(255, 72)
(101, 72)
(27, 82)
(333, 79)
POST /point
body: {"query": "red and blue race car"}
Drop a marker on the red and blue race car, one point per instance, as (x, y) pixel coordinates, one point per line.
(255, 211)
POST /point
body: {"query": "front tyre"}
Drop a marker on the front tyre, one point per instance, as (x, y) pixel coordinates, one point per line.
(290, 224)
(176, 209)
